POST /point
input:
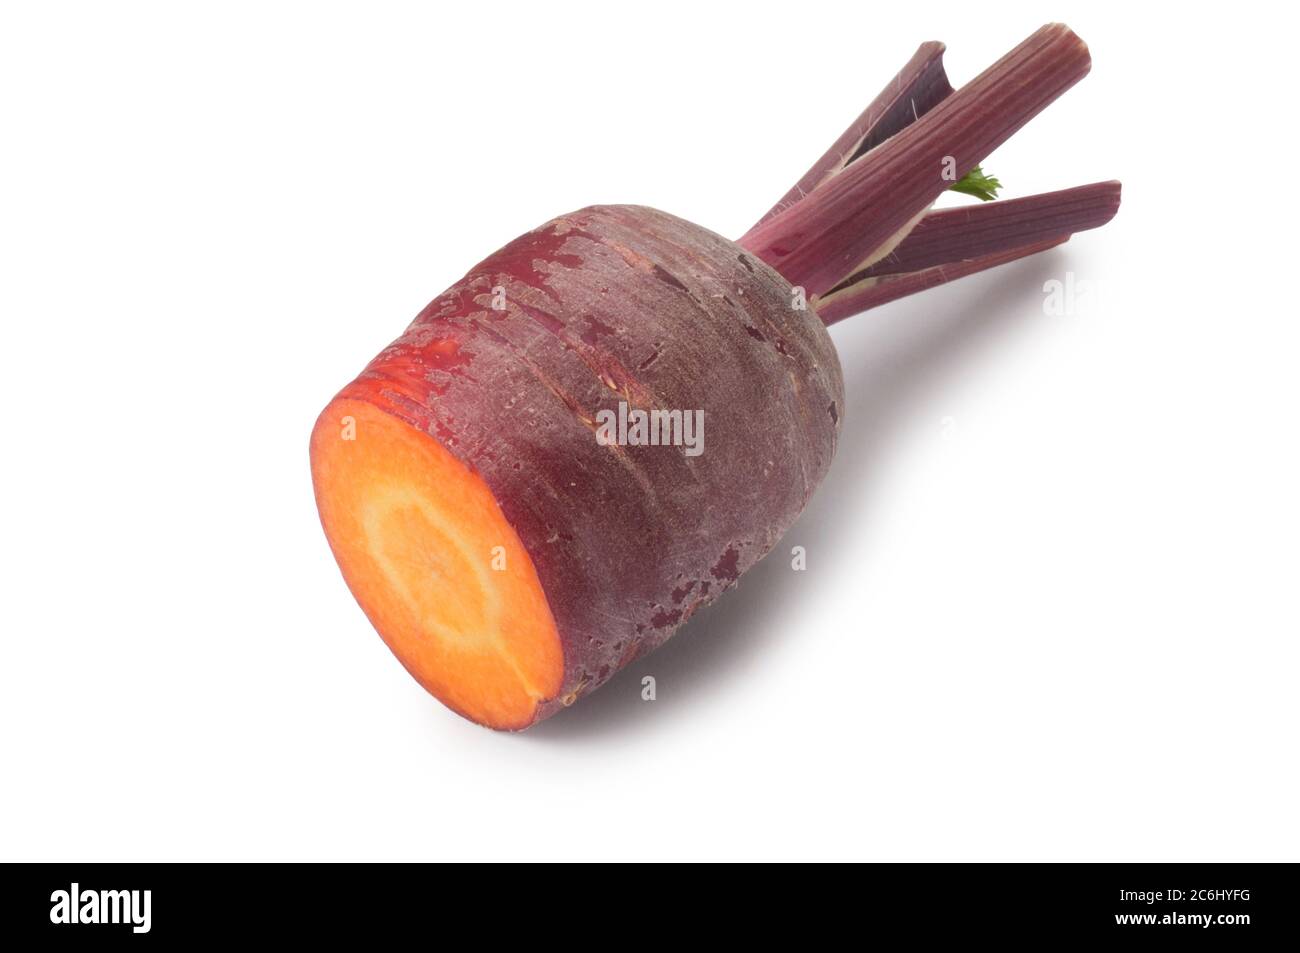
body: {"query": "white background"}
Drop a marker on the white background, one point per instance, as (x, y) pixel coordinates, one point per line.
(1050, 610)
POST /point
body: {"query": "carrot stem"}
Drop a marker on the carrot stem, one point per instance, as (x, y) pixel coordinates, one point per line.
(873, 292)
(919, 86)
(834, 232)
(973, 231)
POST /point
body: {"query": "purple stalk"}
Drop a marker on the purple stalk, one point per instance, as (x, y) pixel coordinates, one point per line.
(972, 231)
(919, 87)
(873, 292)
(835, 231)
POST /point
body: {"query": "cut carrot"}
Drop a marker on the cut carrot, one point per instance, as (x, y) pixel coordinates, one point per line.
(435, 565)
(511, 552)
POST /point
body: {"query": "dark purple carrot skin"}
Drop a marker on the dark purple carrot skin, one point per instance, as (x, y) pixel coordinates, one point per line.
(919, 86)
(830, 234)
(973, 231)
(873, 292)
(609, 304)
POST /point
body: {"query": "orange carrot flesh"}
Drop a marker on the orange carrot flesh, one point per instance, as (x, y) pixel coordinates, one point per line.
(436, 567)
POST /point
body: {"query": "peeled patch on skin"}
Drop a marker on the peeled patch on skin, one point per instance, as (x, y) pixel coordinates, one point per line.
(510, 369)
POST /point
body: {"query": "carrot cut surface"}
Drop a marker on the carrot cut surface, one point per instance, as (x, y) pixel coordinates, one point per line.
(435, 565)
